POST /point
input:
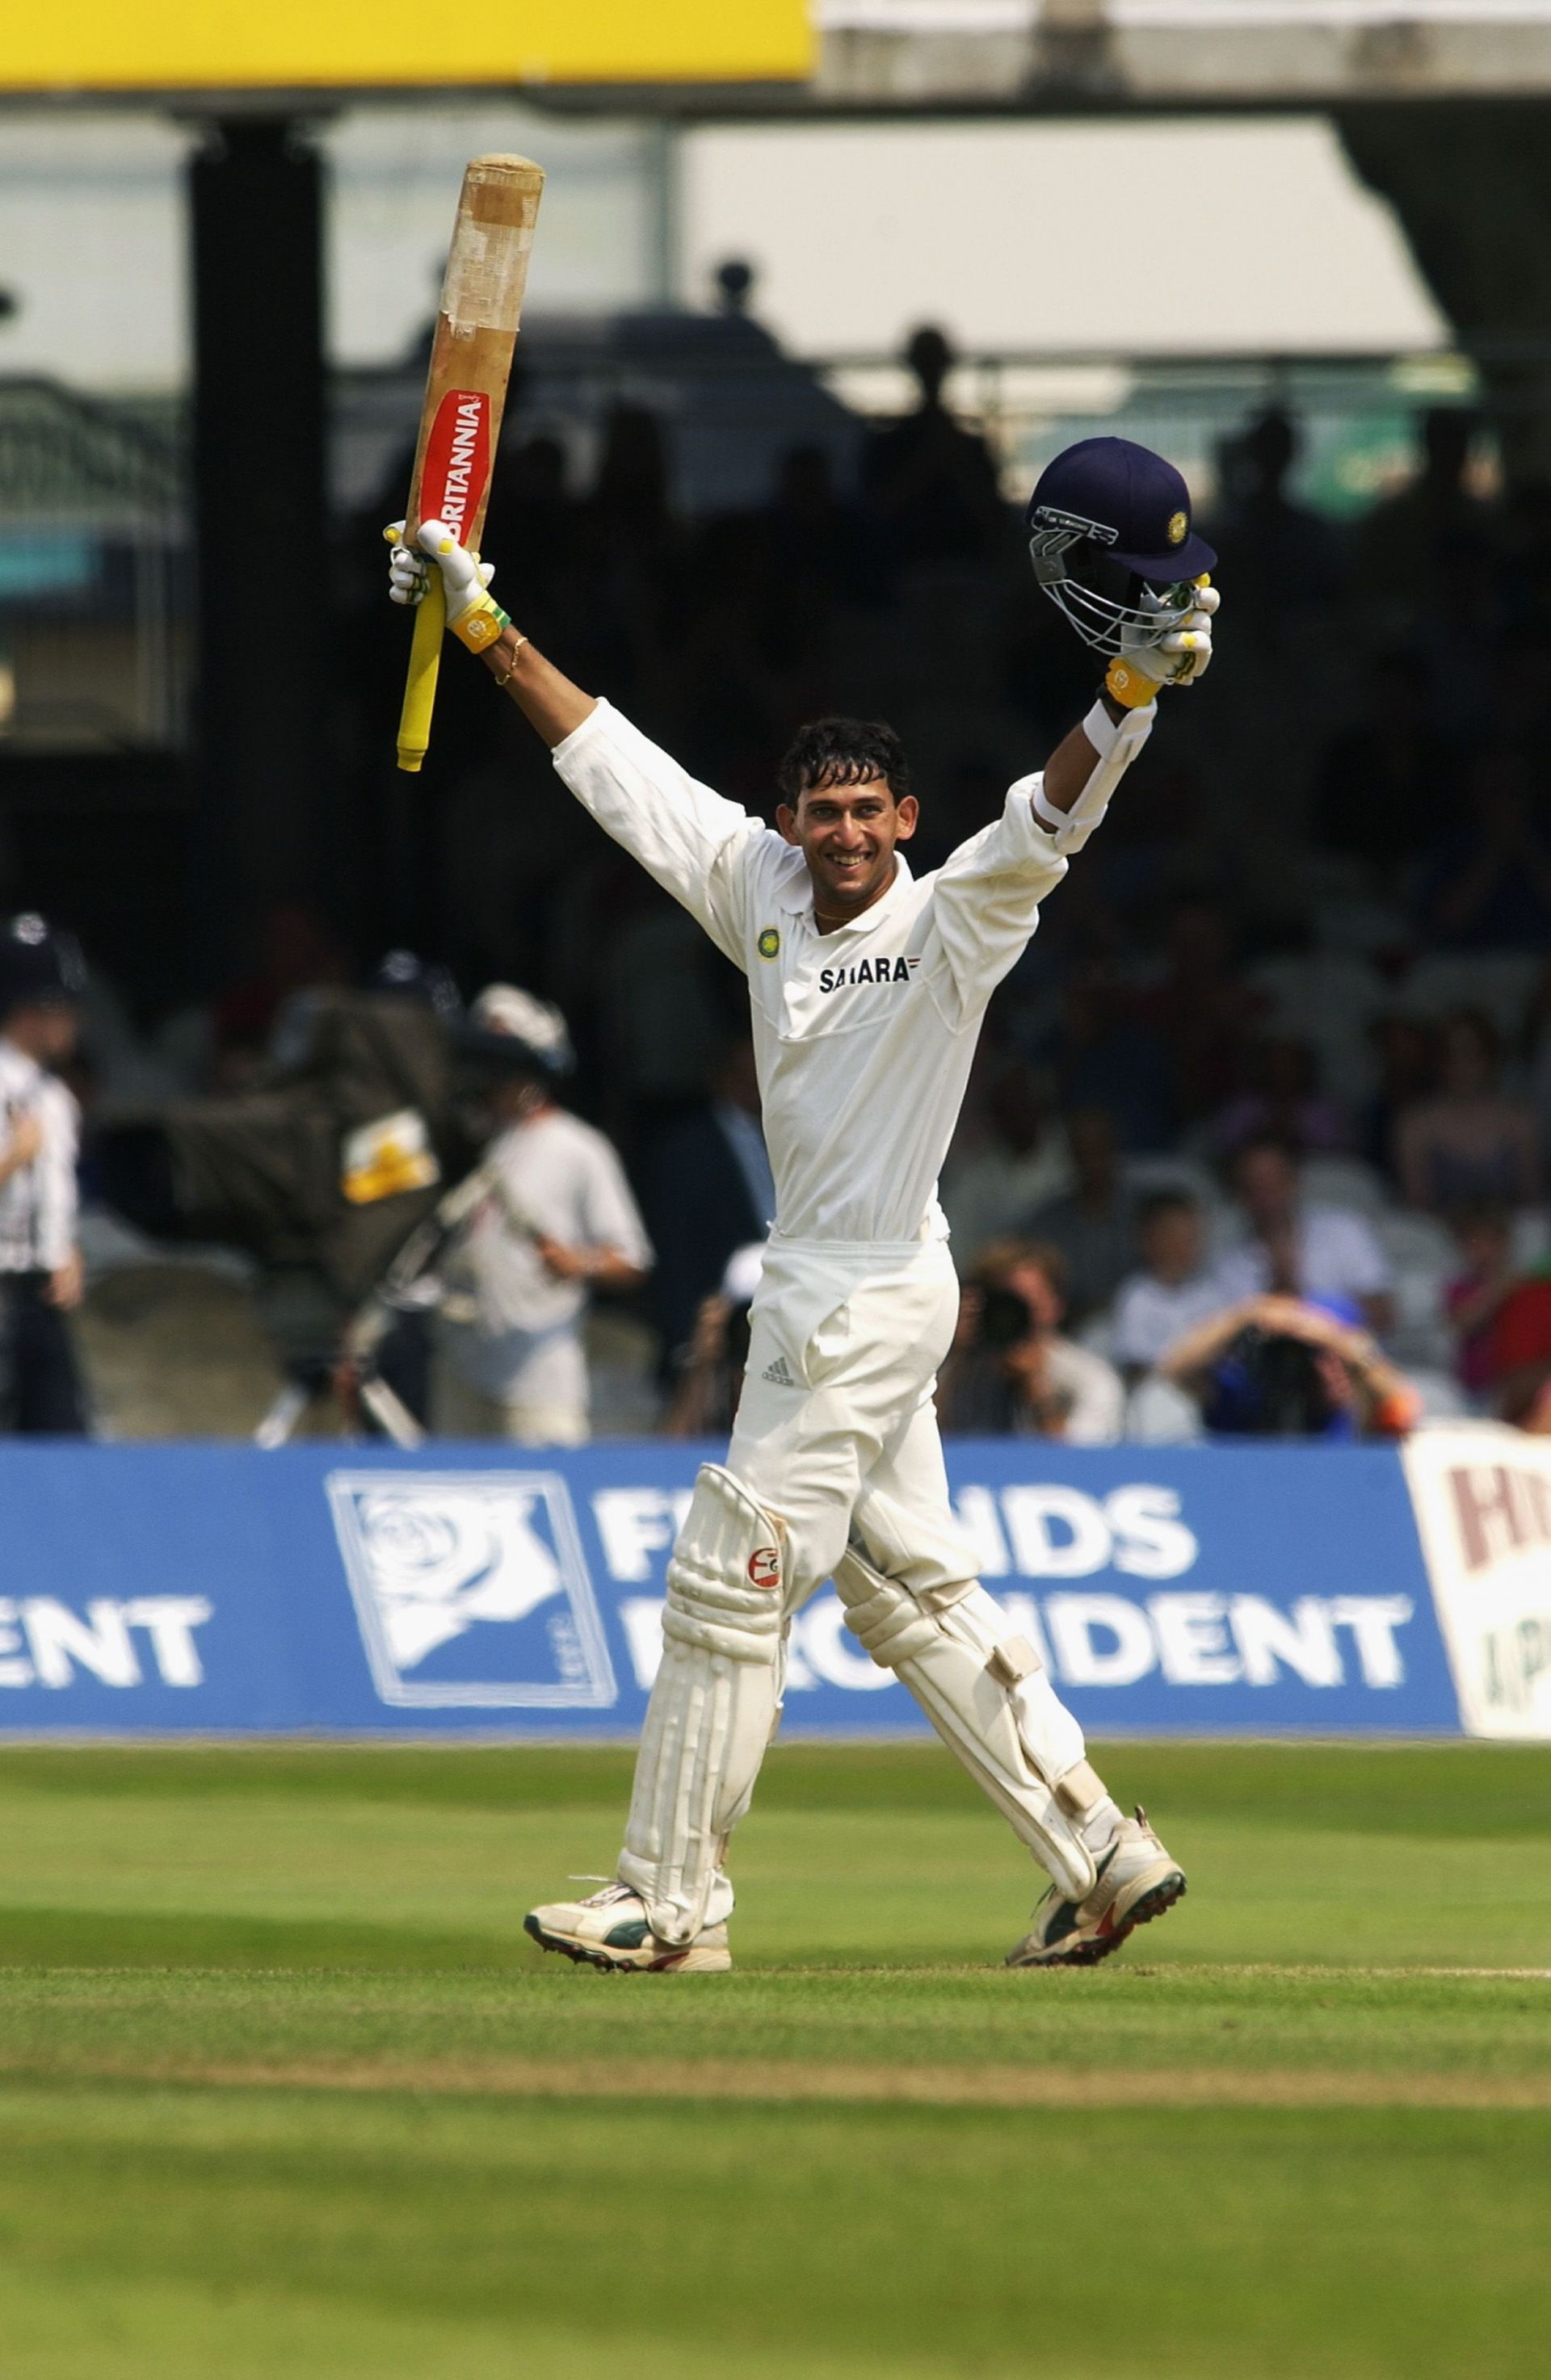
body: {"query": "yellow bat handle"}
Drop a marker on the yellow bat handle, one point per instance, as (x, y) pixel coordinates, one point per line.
(419, 686)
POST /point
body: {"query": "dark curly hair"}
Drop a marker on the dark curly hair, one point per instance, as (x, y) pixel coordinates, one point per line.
(843, 752)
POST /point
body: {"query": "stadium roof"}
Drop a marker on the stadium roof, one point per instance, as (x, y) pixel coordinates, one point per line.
(777, 55)
(932, 53)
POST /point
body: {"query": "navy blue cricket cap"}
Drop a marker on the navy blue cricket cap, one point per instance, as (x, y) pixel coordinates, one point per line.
(39, 966)
(1135, 500)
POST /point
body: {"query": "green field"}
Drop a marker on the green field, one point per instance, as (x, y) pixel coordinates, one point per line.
(284, 2091)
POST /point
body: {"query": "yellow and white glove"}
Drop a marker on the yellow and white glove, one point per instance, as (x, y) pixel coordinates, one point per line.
(1185, 654)
(473, 615)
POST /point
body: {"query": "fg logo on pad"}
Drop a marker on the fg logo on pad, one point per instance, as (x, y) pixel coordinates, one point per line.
(471, 1589)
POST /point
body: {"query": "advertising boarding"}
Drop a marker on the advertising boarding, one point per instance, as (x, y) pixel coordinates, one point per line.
(1483, 1504)
(338, 1591)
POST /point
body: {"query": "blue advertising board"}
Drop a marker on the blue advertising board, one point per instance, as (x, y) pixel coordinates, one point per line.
(339, 1591)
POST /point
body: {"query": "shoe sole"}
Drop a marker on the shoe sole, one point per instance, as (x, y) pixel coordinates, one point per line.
(1092, 1950)
(689, 1962)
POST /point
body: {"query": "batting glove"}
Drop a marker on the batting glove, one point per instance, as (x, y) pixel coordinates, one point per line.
(1136, 674)
(473, 615)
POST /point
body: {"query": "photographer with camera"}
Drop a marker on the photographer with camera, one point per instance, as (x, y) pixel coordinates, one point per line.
(1298, 1248)
(1010, 1373)
(1278, 1366)
(557, 1221)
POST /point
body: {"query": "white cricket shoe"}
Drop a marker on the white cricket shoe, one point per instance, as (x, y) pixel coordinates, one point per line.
(1137, 1880)
(610, 1929)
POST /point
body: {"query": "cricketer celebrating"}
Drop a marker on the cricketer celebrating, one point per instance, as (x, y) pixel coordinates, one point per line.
(867, 989)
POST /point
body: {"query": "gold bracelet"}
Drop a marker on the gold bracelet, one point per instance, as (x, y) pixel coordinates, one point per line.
(517, 648)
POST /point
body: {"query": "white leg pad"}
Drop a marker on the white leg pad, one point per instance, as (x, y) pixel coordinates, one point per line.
(986, 1694)
(715, 1705)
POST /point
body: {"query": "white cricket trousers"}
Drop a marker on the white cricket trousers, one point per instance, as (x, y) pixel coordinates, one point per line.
(836, 1432)
(856, 1329)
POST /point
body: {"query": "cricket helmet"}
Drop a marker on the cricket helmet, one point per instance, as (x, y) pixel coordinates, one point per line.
(1106, 514)
(38, 966)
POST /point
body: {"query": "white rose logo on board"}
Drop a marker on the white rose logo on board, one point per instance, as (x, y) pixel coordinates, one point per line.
(472, 1588)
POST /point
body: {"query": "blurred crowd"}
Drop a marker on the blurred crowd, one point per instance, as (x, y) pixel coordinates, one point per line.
(1258, 1136)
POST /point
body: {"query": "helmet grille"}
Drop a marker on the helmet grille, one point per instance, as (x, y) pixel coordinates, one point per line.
(1103, 621)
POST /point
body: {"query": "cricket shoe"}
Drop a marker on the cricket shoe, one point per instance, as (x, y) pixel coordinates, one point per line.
(1137, 1880)
(610, 1929)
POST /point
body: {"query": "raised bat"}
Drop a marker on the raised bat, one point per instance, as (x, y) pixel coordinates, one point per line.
(465, 394)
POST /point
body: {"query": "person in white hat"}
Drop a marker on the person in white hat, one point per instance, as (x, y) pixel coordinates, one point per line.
(558, 1221)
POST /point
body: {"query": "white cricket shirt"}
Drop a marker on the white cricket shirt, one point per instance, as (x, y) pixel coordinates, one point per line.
(1339, 1255)
(1151, 1314)
(863, 1037)
(38, 1202)
(560, 1177)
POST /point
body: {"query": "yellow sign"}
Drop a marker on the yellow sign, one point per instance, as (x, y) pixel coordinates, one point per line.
(96, 46)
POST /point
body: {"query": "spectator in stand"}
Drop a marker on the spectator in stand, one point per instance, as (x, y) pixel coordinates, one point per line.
(1094, 1225)
(1007, 1155)
(811, 537)
(1172, 1291)
(1407, 1047)
(1474, 1298)
(557, 1223)
(1521, 1355)
(1009, 1372)
(1383, 785)
(1537, 1048)
(1284, 1100)
(1280, 557)
(1278, 1366)
(529, 531)
(630, 552)
(1295, 1250)
(298, 952)
(1469, 1143)
(1108, 1057)
(933, 482)
(1201, 1011)
(709, 1190)
(1496, 893)
(1402, 543)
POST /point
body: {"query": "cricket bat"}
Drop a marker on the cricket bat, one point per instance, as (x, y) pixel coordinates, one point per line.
(465, 395)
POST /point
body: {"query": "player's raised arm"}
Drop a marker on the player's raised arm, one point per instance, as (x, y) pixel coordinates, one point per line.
(1112, 546)
(685, 835)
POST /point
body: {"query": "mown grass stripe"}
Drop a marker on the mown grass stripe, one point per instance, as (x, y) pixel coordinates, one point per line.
(788, 2082)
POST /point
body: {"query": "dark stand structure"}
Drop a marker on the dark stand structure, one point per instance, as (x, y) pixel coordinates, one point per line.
(259, 495)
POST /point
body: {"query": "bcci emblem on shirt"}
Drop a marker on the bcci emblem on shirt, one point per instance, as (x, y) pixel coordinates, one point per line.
(472, 1588)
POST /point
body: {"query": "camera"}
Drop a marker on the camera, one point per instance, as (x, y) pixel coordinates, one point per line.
(1266, 1385)
(1005, 1319)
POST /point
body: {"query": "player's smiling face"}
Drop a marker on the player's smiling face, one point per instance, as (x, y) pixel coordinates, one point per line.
(846, 834)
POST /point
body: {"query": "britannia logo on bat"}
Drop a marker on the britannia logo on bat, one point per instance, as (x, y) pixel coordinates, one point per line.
(471, 1589)
(457, 459)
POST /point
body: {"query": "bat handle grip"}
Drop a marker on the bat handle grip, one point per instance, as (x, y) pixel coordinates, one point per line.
(419, 686)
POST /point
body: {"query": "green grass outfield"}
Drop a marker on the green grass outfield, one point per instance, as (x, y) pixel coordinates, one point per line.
(285, 2094)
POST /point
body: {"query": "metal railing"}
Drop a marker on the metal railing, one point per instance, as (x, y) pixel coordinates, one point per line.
(94, 535)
